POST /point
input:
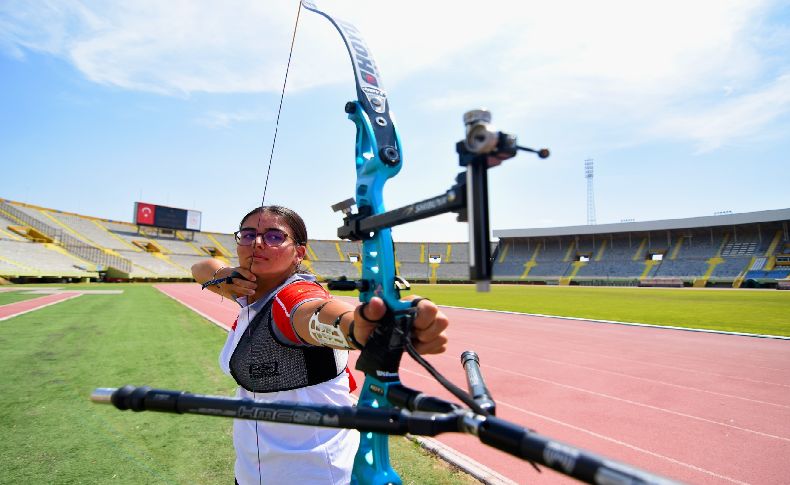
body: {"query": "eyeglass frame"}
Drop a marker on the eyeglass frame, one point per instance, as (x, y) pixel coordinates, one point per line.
(262, 235)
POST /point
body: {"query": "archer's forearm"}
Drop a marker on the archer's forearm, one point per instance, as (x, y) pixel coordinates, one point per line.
(329, 314)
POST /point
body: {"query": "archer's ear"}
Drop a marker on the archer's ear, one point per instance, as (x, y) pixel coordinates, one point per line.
(300, 252)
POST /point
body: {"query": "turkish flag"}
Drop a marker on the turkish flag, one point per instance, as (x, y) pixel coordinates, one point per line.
(145, 214)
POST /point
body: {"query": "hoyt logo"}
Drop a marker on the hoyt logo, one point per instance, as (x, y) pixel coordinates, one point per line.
(360, 54)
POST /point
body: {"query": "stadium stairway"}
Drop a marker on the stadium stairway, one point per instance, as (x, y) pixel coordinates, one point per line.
(190, 244)
(311, 254)
(339, 252)
(503, 252)
(738, 281)
(28, 233)
(148, 246)
(570, 251)
(774, 243)
(601, 250)
(675, 250)
(769, 253)
(9, 235)
(68, 229)
(702, 282)
(116, 237)
(81, 235)
(309, 265)
(172, 263)
(649, 265)
(432, 277)
(531, 263)
(640, 252)
(577, 265)
(227, 254)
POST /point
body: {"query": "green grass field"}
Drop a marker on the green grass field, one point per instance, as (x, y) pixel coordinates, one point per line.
(54, 357)
(13, 297)
(750, 311)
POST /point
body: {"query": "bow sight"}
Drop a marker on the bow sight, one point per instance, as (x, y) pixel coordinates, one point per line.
(483, 147)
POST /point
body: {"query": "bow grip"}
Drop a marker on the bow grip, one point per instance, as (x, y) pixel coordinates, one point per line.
(384, 349)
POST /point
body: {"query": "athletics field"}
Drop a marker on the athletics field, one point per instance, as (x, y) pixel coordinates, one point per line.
(54, 356)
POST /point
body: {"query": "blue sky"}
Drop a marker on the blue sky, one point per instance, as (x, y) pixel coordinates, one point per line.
(684, 106)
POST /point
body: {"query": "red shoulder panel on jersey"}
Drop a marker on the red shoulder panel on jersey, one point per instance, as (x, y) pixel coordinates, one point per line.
(290, 297)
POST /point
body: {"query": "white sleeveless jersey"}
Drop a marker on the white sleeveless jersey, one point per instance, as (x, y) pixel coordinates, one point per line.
(273, 453)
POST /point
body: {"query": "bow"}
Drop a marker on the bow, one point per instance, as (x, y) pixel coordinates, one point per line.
(378, 159)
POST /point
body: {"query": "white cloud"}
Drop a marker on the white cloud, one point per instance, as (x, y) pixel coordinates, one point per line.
(628, 66)
(236, 46)
(216, 119)
(735, 118)
(631, 63)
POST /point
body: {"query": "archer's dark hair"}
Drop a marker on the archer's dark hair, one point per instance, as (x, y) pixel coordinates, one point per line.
(292, 219)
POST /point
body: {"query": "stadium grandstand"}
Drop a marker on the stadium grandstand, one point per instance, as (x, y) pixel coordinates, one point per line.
(729, 250)
(39, 244)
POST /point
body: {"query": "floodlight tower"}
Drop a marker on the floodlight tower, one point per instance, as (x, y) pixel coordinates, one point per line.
(588, 174)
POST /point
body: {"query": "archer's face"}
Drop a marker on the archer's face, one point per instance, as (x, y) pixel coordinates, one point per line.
(271, 263)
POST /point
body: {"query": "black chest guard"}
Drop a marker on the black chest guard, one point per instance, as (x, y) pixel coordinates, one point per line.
(262, 364)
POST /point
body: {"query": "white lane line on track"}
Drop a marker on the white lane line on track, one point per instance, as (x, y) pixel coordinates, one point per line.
(455, 457)
(39, 307)
(687, 369)
(221, 325)
(633, 324)
(624, 444)
(696, 371)
(683, 369)
(615, 336)
(639, 404)
(600, 436)
(613, 329)
(620, 374)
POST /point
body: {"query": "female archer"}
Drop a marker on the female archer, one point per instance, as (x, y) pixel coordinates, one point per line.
(290, 342)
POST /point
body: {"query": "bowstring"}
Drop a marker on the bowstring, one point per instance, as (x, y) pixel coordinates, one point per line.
(263, 199)
(280, 107)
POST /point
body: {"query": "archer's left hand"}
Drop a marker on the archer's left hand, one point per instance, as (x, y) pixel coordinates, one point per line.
(428, 333)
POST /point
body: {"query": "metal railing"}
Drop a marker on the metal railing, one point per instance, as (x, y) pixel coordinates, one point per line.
(70, 243)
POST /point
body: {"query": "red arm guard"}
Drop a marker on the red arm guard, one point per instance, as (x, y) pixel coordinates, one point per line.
(288, 299)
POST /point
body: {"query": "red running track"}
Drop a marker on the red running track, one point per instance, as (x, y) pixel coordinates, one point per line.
(13, 309)
(696, 407)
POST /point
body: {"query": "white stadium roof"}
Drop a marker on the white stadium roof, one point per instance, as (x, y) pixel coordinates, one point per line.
(777, 215)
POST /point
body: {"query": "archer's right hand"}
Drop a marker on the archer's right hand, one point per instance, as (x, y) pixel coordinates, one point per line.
(242, 282)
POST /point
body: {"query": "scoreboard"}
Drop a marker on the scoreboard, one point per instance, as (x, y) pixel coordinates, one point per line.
(166, 217)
